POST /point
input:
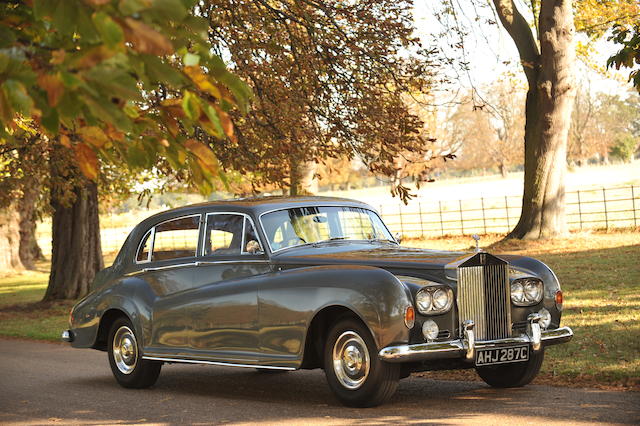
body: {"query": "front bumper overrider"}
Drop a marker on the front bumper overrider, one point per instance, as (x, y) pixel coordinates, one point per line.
(466, 346)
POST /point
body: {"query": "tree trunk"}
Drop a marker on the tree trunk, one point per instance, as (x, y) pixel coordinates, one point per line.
(503, 170)
(76, 252)
(30, 252)
(10, 240)
(302, 176)
(550, 73)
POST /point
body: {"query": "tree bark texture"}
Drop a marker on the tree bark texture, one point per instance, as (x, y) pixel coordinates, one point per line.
(30, 252)
(76, 252)
(302, 177)
(550, 71)
(10, 240)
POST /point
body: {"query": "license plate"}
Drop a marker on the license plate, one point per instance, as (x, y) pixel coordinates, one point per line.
(502, 355)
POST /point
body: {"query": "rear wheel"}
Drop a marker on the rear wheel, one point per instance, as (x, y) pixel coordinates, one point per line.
(512, 375)
(354, 372)
(125, 357)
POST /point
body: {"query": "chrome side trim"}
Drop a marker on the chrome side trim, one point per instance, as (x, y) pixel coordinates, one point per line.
(178, 265)
(363, 207)
(223, 364)
(457, 349)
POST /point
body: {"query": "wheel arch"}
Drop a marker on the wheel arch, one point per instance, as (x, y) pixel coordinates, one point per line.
(319, 326)
(106, 320)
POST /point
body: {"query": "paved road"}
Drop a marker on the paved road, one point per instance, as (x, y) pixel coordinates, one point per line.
(50, 383)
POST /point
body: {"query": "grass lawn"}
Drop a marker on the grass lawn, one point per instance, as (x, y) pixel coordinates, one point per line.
(599, 274)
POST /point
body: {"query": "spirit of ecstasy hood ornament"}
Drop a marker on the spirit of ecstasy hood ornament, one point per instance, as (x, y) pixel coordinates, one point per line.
(477, 238)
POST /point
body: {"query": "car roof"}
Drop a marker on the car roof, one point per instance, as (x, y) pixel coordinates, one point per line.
(256, 205)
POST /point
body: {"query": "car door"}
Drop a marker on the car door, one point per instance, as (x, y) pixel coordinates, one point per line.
(224, 307)
(167, 258)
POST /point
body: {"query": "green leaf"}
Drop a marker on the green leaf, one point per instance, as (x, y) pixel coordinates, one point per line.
(215, 120)
(168, 10)
(18, 97)
(191, 105)
(113, 82)
(65, 17)
(42, 8)
(160, 72)
(85, 27)
(191, 60)
(50, 120)
(7, 38)
(129, 7)
(110, 31)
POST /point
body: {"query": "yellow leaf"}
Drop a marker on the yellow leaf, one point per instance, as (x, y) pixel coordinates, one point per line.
(87, 161)
(94, 56)
(145, 39)
(65, 141)
(93, 135)
(53, 86)
(202, 81)
(205, 156)
(227, 124)
(114, 134)
(57, 57)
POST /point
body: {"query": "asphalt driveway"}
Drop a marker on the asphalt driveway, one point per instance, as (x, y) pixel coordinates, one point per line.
(52, 383)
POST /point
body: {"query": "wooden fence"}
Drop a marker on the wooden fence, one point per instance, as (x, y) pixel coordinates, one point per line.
(601, 208)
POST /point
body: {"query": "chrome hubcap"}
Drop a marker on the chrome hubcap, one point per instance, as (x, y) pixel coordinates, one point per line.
(125, 350)
(350, 360)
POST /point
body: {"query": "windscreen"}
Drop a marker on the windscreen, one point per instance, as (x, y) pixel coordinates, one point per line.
(304, 225)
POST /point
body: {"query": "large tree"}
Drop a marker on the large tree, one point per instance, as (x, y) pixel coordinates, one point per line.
(329, 80)
(117, 82)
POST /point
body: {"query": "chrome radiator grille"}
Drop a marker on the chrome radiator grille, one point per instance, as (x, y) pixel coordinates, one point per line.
(483, 296)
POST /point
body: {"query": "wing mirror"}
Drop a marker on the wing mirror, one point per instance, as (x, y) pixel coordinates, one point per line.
(253, 247)
(398, 236)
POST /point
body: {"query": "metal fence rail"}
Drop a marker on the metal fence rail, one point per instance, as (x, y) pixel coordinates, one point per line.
(603, 208)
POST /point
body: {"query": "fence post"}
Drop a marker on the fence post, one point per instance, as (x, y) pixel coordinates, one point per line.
(421, 222)
(441, 224)
(506, 208)
(580, 210)
(633, 200)
(401, 221)
(461, 219)
(484, 220)
(604, 200)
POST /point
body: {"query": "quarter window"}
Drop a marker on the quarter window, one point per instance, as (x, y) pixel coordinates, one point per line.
(176, 238)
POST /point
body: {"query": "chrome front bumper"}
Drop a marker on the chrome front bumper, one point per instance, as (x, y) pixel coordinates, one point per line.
(466, 347)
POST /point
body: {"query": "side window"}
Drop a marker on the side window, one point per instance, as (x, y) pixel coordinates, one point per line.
(223, 234)
(145, 247)
(176, 238)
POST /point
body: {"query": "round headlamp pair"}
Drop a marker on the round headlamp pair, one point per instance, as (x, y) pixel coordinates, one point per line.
(434, 300)
(526, 291)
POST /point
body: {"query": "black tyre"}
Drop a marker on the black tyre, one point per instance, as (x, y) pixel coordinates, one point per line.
(355, 374)
(512, 375)
(125, 357)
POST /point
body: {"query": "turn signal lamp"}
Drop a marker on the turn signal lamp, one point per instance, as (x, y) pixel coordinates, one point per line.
(409, 317)
(559, 300)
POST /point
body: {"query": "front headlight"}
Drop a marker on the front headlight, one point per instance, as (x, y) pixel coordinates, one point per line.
(526, 291)
(434, 300)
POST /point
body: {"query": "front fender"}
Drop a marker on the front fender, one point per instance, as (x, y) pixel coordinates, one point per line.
(292, 298)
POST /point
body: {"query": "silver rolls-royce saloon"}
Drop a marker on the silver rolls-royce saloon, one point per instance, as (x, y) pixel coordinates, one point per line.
(313, 282)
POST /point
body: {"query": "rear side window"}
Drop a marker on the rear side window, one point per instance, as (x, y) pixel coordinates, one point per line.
(173, 239)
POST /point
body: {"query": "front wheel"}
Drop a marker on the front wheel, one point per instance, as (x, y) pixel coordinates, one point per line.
(354, 372)
(512, 375)
(125, 358)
